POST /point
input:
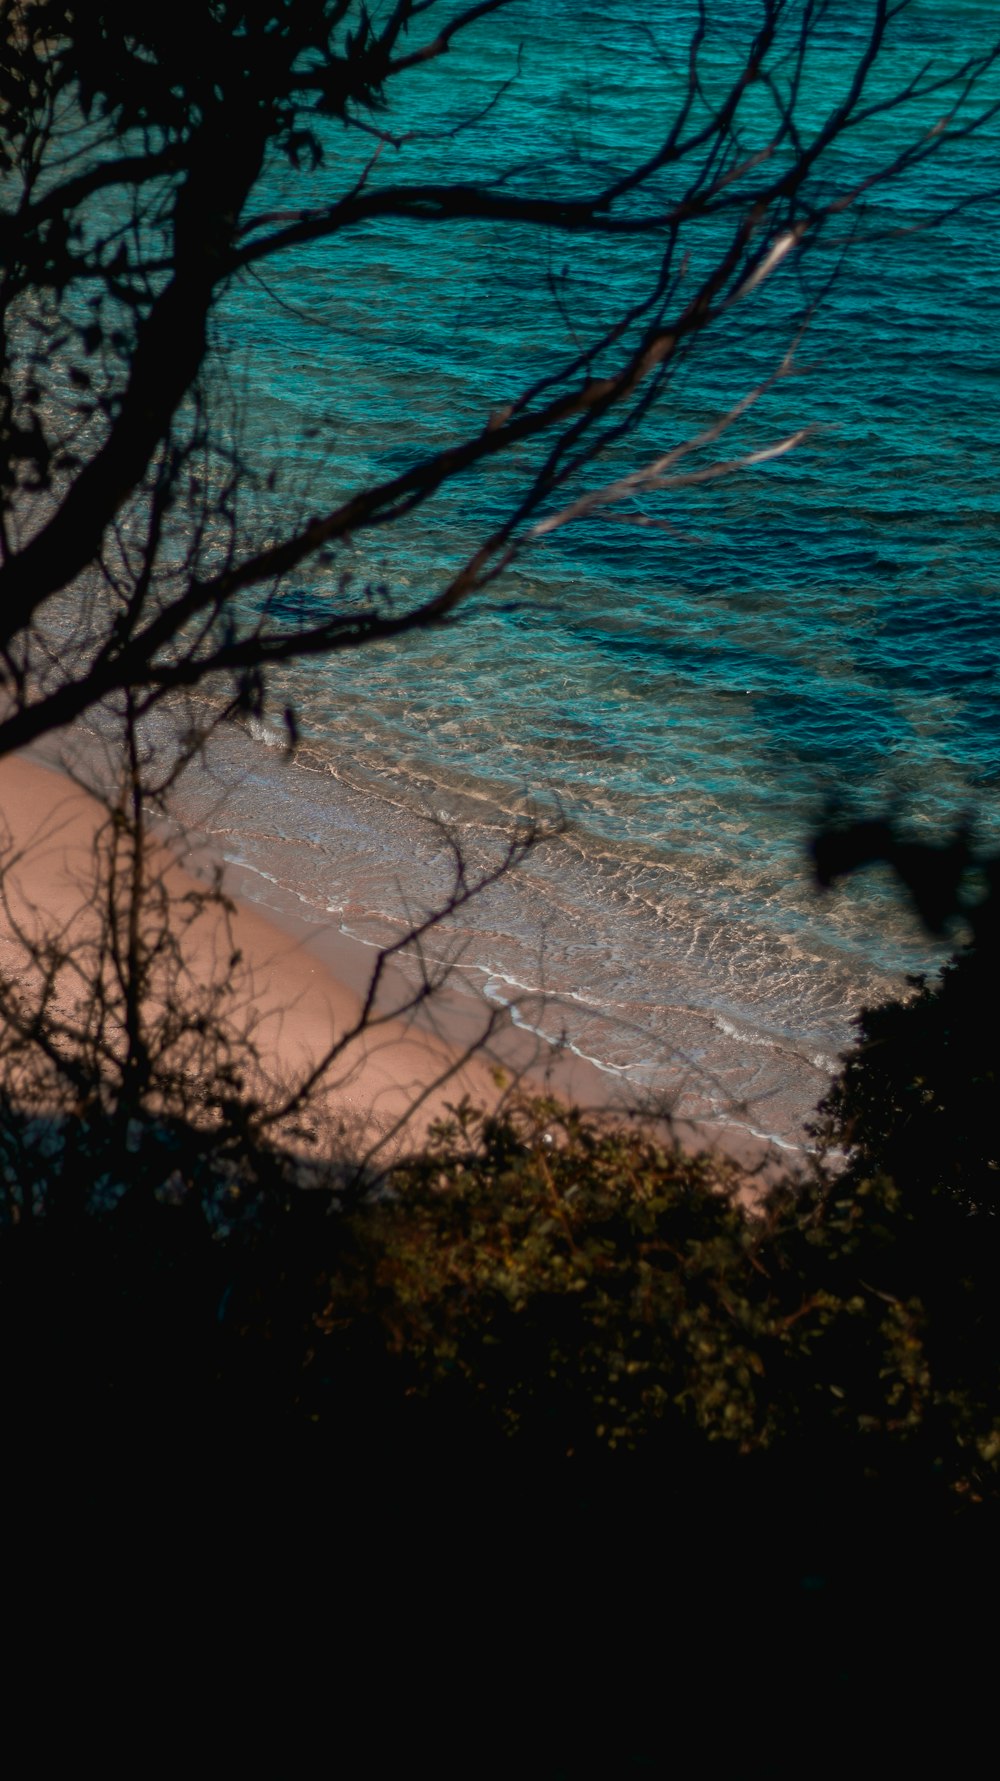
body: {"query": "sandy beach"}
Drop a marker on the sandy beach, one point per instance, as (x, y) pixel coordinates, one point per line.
(299, 987)
(297, 1007)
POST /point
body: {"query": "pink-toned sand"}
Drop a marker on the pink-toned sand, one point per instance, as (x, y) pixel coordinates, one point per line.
(299, 1010)
(301, 987)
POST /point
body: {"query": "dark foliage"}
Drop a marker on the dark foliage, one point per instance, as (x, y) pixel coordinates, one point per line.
(552, 1393)
(532, 1289)
(911, 1125)
(916, 1100)
(918, 1094)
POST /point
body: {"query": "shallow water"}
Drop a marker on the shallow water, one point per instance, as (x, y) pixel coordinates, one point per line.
(824, 627)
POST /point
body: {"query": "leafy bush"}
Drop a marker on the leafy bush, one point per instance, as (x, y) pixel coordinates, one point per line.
(917, 1098)
(537, 1287)
(587, 1290)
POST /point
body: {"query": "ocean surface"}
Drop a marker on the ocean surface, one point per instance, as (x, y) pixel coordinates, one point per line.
(687, 701)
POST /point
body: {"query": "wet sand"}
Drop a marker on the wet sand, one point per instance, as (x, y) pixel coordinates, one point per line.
(300, 987)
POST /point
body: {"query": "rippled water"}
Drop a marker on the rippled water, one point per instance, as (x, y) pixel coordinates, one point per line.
(825, 626)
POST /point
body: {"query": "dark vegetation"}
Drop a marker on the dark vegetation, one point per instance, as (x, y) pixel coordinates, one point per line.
(555, 1384)
(538, 1282)
(534, 1286)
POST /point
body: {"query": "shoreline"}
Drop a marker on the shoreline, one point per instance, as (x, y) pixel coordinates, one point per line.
(305, 981)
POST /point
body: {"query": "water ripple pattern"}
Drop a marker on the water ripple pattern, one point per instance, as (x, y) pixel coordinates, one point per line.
(689, 698)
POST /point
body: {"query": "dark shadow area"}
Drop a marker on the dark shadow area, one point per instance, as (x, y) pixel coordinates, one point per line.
(553, 1421)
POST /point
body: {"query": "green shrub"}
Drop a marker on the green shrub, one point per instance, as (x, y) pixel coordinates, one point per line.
(588, 1290)
(541, 1287)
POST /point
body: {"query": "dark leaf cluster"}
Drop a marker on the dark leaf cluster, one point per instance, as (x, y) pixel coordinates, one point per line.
(532, 1287)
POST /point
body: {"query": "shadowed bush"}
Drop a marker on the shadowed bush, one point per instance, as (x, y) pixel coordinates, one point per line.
(917, 1097)
(534, 1288)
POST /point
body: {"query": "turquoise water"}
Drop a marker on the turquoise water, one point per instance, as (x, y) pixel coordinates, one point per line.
(822, 627)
